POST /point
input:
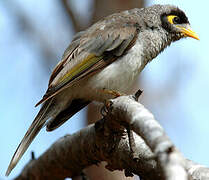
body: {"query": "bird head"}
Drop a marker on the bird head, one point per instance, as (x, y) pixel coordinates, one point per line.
(162, 25)
(171, 19)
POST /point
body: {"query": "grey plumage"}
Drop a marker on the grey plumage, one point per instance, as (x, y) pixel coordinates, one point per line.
(108, 55)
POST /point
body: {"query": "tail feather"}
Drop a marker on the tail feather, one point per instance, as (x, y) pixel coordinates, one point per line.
(75, 106)
(33, 130)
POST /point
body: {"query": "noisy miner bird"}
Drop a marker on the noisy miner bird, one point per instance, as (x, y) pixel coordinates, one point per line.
(103, 61)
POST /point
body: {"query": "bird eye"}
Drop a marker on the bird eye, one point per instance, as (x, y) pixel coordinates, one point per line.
(176, 20)
(173, 19)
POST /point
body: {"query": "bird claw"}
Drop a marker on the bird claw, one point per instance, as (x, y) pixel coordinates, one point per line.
(103, 111)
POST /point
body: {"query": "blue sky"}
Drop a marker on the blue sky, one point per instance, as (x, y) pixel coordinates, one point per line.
(184, 67)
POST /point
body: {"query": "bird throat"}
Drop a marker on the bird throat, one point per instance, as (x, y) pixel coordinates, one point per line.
(154, 42)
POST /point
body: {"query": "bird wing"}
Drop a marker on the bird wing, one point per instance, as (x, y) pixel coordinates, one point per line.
(91, 51)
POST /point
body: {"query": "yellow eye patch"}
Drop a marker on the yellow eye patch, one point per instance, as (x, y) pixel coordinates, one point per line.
(173, 19)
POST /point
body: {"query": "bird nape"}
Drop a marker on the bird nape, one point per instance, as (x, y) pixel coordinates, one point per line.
(104, 60)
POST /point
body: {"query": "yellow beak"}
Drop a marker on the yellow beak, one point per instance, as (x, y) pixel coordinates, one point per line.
(188, 32)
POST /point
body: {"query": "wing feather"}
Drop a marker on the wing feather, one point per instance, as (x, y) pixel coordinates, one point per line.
(90, 51)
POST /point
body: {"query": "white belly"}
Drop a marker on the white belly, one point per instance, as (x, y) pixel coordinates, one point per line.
(119, 75)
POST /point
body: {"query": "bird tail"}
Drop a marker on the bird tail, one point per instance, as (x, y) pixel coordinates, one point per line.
(33, 130)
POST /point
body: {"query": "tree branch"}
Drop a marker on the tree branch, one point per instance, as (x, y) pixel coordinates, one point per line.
(107, 140)
(142, 122)
(78, 26)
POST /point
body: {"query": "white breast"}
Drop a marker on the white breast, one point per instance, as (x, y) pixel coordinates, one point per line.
(120, 74)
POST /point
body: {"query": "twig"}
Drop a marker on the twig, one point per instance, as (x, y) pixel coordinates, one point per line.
(76, 23)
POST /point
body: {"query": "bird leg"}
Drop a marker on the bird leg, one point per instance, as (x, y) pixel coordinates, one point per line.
(113, 93)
